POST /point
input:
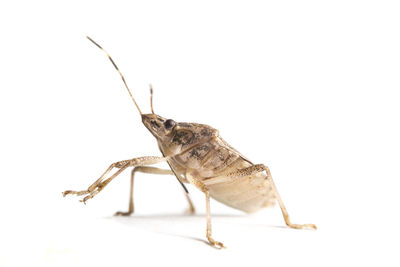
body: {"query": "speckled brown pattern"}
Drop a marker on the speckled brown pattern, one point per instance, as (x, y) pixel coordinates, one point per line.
(197, 154)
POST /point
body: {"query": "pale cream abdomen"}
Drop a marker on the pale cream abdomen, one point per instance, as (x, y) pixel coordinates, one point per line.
(249, 193)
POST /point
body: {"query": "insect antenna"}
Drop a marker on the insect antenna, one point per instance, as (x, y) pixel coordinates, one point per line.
(122, 76)
(151, 99)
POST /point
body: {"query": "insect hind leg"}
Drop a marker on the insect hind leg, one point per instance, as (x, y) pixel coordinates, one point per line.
(248, 172)
(283, 208)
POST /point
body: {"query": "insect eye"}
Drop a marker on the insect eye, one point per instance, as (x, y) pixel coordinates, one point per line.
(169, 124)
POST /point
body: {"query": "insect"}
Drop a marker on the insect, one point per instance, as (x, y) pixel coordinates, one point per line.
(198, 155)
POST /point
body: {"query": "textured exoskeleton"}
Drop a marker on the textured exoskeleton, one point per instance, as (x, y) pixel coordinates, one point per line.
(197, 150)
(197, 154)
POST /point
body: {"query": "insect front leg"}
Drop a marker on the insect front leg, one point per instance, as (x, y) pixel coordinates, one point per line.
(152, 170)
(204, 189)
(100, 183)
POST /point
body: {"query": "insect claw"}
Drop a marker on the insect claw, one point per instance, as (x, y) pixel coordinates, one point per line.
(303, 226)
(85, 199)
(190, 211)
(122, 213)
(67, 193)
(313, 226)
(218, 245)
(215, 244)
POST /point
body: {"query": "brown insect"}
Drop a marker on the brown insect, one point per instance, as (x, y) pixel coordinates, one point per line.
(198, 155)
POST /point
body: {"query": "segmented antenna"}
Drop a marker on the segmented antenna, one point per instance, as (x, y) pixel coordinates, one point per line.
(151, 99)
(122, 76)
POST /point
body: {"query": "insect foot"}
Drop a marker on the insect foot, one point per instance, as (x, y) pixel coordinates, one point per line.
(126, 213)
(78, 193)
(303, 226)
(214, 243)
(90, 194)
(190, 211)
(123, 213)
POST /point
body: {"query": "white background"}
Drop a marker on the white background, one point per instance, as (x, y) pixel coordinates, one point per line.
(309, 88)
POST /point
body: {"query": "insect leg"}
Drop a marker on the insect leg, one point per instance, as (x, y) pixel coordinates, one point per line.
(203, 188)
(153, 170)
(99, 184)
(92, 186)
(209, 232)
(283, 208)
(247, 172)
(191, 209)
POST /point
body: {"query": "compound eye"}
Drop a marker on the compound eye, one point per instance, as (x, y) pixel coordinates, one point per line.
(169, 124)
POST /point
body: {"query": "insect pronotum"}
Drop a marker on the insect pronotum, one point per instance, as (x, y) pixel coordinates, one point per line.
(198, 155)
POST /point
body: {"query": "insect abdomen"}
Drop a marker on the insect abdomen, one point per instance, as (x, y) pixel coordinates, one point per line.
(214, 158)
(249, 194)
